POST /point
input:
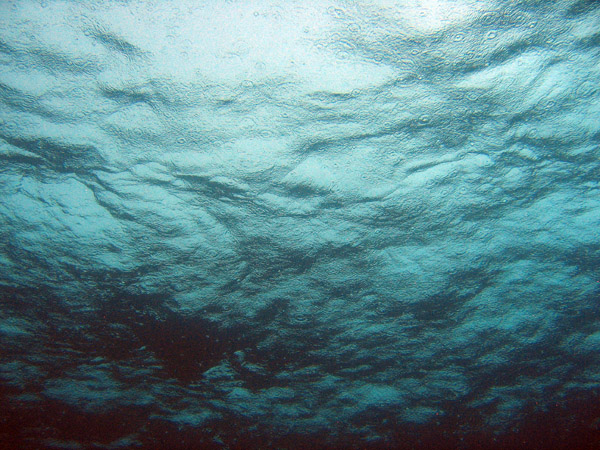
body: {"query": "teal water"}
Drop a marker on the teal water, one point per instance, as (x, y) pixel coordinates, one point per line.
(264, 224)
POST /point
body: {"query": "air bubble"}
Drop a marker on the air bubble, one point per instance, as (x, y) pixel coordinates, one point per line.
(300, 319)
(338, 13)
(489, 17)
(491, 34)
(353, 28)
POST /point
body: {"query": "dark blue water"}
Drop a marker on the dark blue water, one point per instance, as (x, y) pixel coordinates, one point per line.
(299, 225)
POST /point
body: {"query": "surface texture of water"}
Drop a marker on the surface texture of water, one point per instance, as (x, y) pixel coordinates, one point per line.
(299, 224)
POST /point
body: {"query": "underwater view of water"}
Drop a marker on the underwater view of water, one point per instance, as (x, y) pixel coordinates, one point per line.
(336, 224)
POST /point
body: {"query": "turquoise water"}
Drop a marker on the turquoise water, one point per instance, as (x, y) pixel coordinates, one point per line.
(334, 224)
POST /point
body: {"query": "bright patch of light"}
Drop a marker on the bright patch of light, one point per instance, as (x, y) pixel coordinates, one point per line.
(429, 16)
